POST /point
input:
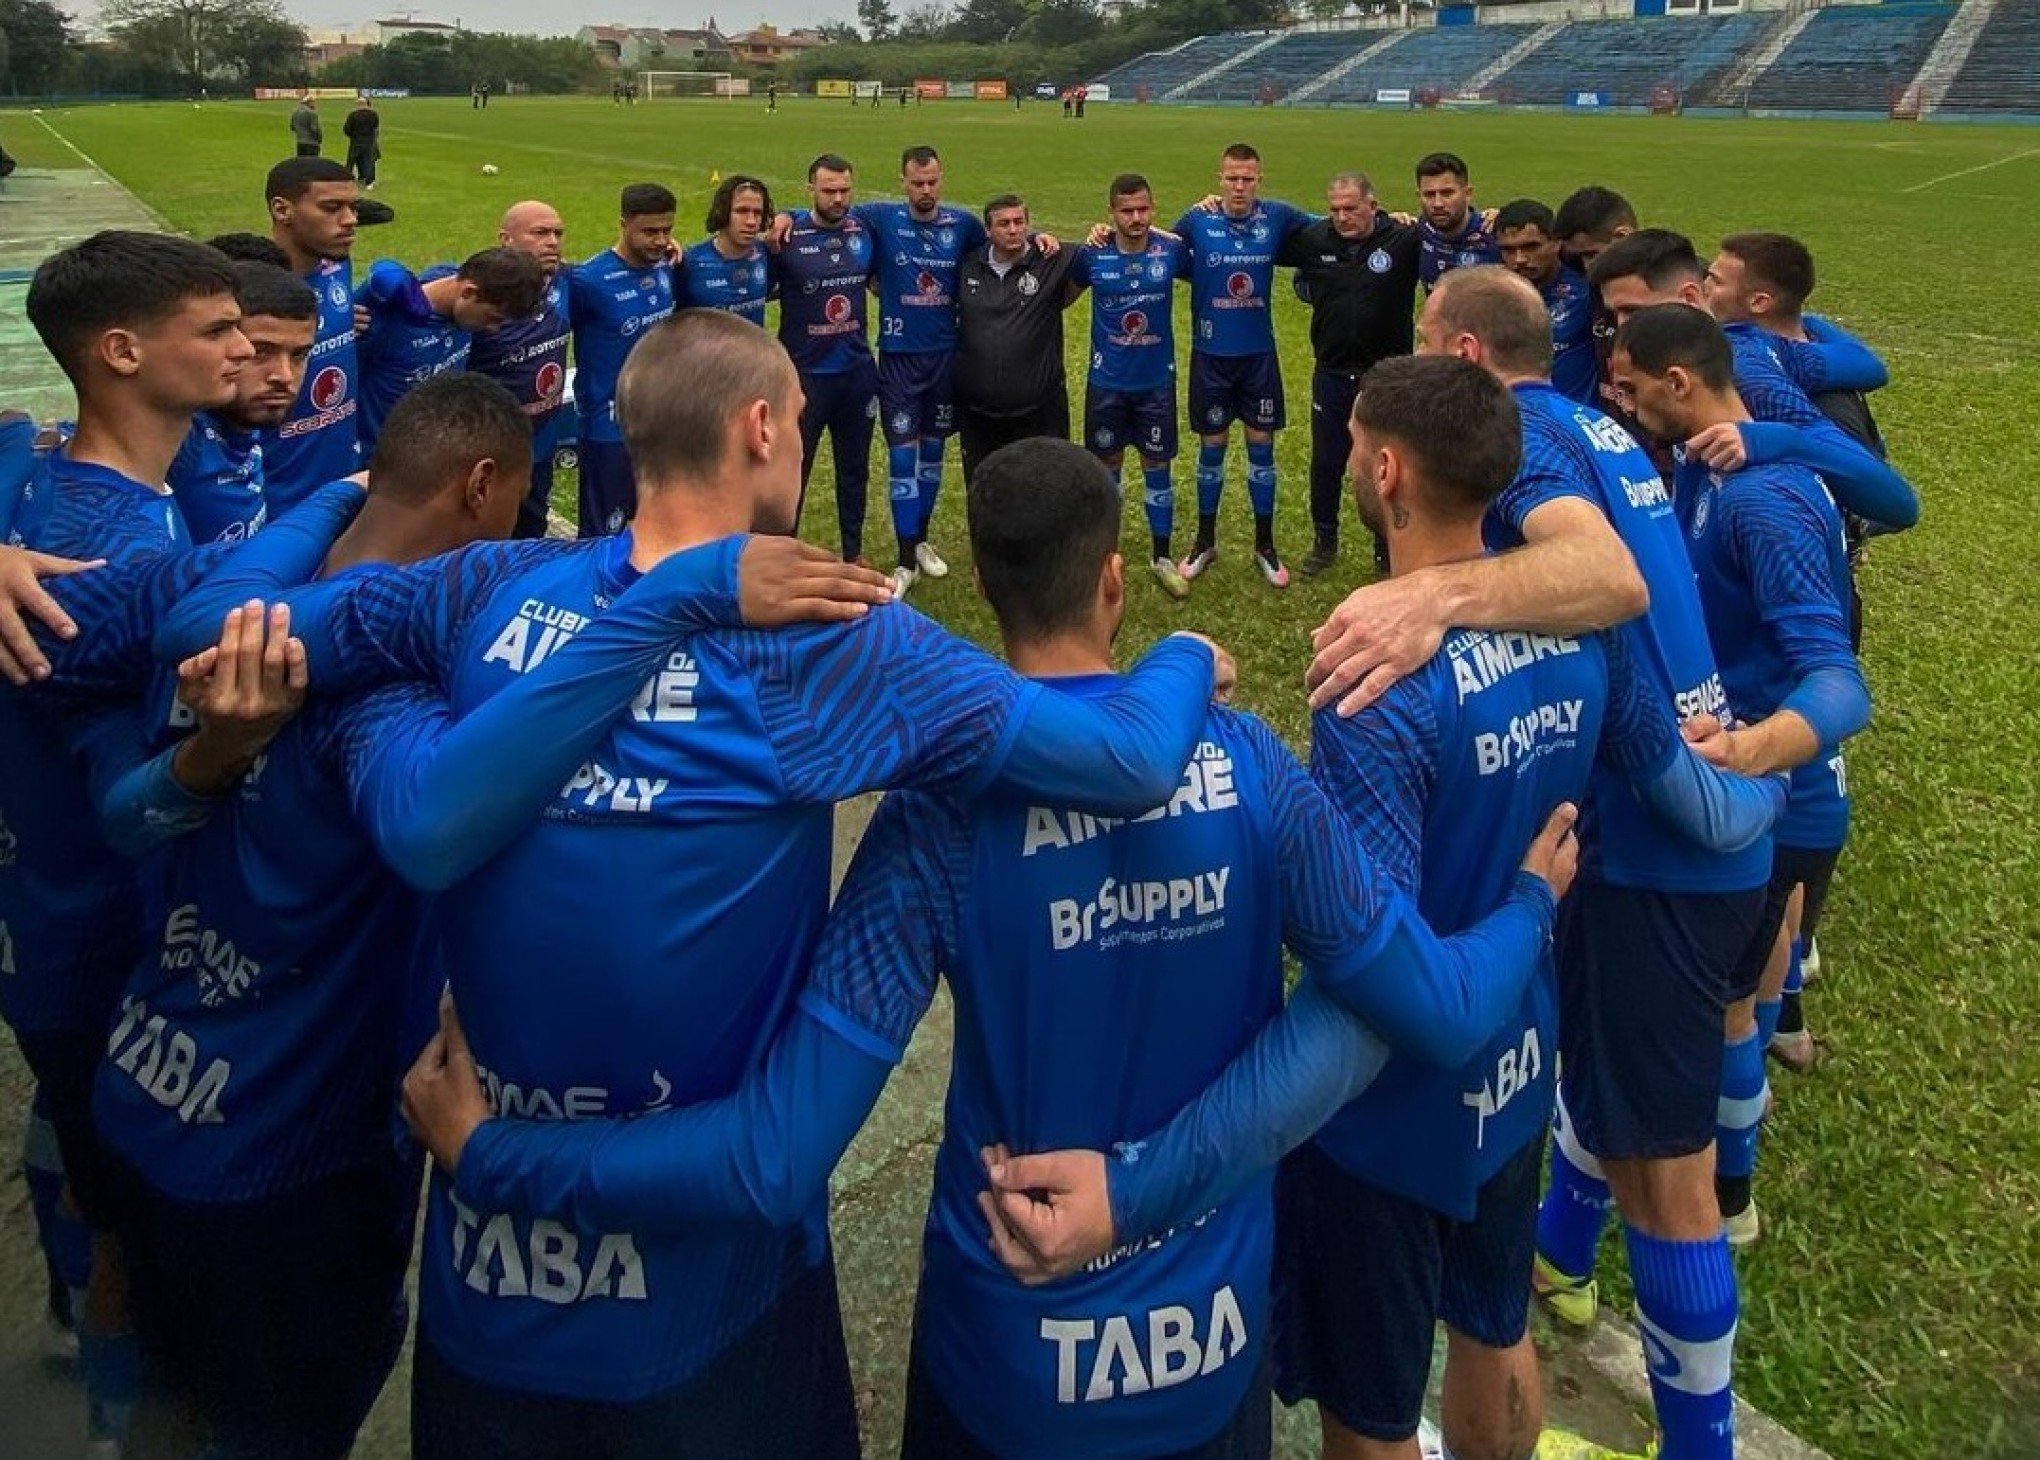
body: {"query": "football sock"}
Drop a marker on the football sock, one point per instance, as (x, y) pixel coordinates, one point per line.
(1261, 479)
(1210, 487)
(1685, 1315)
(928, 477)
(1158, 495)
(1737, 1120)
(1575, 1204)
(901, 468)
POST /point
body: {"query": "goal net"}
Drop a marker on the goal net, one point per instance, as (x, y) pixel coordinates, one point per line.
(685, 83)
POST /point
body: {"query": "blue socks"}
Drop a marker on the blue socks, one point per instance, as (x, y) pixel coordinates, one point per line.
(1575, 1205)
(1261, 477)
(1741, 1110)
(902, 469)
(112, 1369)
(928, 476)
(1686, 1313)
(1768, 1011)
(1210, 479)
(1158, 494)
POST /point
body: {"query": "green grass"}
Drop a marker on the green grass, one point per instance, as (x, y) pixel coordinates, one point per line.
(1894, 1307)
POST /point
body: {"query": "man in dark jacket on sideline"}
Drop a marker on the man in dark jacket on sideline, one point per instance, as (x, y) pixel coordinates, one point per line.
(1009, 352)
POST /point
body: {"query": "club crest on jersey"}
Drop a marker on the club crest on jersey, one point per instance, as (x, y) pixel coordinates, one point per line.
(1158, 271)
(1240, 285)
(1702, 506)
(337, 292)
(927, 284)
(1469, 257)
(1379, 262)
(1134, 322)
(1028, 285)
(947, 238)
(329, 388)
(551, 380)
(837, 309)
(902, 423)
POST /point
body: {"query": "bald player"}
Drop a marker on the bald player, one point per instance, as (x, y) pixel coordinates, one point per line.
(528, 356)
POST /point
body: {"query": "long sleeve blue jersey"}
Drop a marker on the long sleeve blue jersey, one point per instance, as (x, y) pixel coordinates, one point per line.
(1768, 555)
(1573, 451)
(217, 481)
(406, 343)
(1104, 971)
(678, 881)
(528, 356)
(1574, 369)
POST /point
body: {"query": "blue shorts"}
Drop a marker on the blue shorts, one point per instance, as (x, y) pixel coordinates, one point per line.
(608, 488)
(1643, 980)
(1362, 1275)
(1142, 419)
(916, 396)
(277, 1319)
(1243, 388)
(782, 1388)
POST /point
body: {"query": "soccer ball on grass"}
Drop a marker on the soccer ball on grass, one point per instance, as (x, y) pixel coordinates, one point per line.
(489, 169)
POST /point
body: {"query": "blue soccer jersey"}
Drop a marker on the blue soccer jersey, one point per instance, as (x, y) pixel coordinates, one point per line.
(823, 276)
(717, 782)
(216, 480)
(258, 1038)
(1773, 574)
(406, 344)
(613, 301)
(1232, 276)
(1438, 255)
(528, 356)
(736, 286)
(1572, 450)
(69, 907)
(1133, 320)
(916, 268)
(1574, 368)
(1104, 970)
(317, 442)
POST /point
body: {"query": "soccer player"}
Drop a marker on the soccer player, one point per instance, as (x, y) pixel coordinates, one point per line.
(1650, 939)
(311, 202)
(918, 247)
(1357, 270)
(1656, 266)
(1130, 390)
(1767, 549)
(528, 356)
(1588, 221)
(1010, 299)
(1235, 373)
(1421, 1194)
(728, 270)
(1527, 240)
(613, 298)
(257, 1166)
(216, 477)
(1451, 234)
(420, 326)
(822, 270)
(146, 328)
(719, 780)
(1068, 941)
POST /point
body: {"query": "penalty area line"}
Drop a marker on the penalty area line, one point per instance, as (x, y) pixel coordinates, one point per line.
(1967, 171)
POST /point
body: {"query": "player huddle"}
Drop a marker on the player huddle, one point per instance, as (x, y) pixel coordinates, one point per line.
(304, 777)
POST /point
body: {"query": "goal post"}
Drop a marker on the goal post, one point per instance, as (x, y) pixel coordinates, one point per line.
(686, 83)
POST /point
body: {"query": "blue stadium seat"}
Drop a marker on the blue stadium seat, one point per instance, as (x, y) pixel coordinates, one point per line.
(2002, 73)
(1852, 58)
(1161, 70)
(1295, 60)
(1446, 58)
(1629, 60)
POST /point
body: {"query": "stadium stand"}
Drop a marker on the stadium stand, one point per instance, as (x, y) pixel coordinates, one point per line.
(1443, 58)
(1302, 57)
(1159, 71)
(2002, 73)
(1685, 54)
(1851, 58)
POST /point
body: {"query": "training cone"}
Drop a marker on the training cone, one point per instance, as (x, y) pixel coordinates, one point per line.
(715, 177)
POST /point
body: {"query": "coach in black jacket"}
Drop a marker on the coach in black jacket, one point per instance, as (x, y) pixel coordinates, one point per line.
(1009, 351)
(1357, 270)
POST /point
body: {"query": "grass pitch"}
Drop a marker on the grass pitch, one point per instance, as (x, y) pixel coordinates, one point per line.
(1893, 1309)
